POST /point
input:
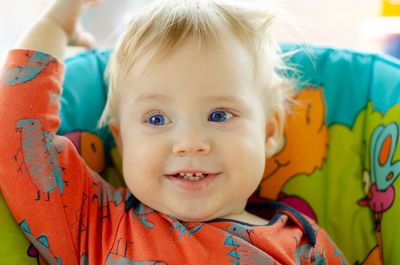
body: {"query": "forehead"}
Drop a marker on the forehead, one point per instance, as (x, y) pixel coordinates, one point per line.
(214, 68)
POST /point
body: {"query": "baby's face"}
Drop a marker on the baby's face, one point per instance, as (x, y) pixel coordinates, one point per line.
(193, 132)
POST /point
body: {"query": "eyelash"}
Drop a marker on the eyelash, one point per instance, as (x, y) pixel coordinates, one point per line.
(151, 113)
(225, 110)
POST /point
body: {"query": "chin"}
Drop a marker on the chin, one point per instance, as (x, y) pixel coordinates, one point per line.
(194, 217)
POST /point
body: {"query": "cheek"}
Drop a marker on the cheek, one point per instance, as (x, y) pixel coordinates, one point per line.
(251, 156)
(142, 163)
(143, 156)
(245, 167)
(245, 152)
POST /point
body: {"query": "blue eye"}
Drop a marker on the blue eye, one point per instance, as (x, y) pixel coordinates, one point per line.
(157, 120)
(219, 116)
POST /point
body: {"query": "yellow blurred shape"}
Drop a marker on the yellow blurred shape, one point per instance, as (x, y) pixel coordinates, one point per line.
(390, 8)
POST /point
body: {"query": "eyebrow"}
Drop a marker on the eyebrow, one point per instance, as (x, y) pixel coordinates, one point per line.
(150, 97)
(225, 98)
(214, 98)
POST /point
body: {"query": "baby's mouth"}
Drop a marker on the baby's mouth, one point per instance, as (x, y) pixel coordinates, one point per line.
(196, 181)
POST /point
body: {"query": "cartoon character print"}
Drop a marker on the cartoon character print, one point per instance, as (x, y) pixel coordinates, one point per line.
(184, 228)
(34, 253)
(104, 195)
(241, 231)
(305, 253)
(35, 64)
(384, 171)
(305, 131)
(42, 244)
(141, 212)
(40, 157)
(241, 253)
(120, 257)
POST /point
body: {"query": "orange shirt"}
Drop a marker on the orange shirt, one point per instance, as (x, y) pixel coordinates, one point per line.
(72, 216)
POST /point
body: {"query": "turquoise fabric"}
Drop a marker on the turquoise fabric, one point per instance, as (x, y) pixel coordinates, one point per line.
(350, 80)
(84, 94)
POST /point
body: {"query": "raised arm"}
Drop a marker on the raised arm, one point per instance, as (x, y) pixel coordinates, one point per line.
(62, 206)
(58, 27)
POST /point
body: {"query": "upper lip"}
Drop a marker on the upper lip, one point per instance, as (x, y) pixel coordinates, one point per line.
(193, 171)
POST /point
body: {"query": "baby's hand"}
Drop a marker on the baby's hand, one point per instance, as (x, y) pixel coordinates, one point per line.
(67, 13)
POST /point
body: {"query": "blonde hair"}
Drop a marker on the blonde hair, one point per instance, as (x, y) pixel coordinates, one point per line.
(165, 24)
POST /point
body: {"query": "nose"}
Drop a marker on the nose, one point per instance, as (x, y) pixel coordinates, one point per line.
(191, 142)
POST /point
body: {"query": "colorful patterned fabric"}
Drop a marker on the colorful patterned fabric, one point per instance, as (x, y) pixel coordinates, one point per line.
(341, 158)
(71, 216)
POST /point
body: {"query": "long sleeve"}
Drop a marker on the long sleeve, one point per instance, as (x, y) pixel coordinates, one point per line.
(46, 184)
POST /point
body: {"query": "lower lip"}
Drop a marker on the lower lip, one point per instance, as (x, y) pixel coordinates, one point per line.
(193, 185)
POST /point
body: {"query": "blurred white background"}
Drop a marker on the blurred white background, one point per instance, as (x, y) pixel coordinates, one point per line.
(340, 23)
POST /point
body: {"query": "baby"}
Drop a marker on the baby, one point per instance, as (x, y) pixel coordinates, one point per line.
(195, 106)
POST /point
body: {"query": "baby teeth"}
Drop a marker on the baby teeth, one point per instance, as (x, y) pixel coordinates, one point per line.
(192, 178)
(189, 176)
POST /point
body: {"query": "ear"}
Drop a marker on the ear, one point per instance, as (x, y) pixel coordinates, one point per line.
(114, 128)
(274, 134)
